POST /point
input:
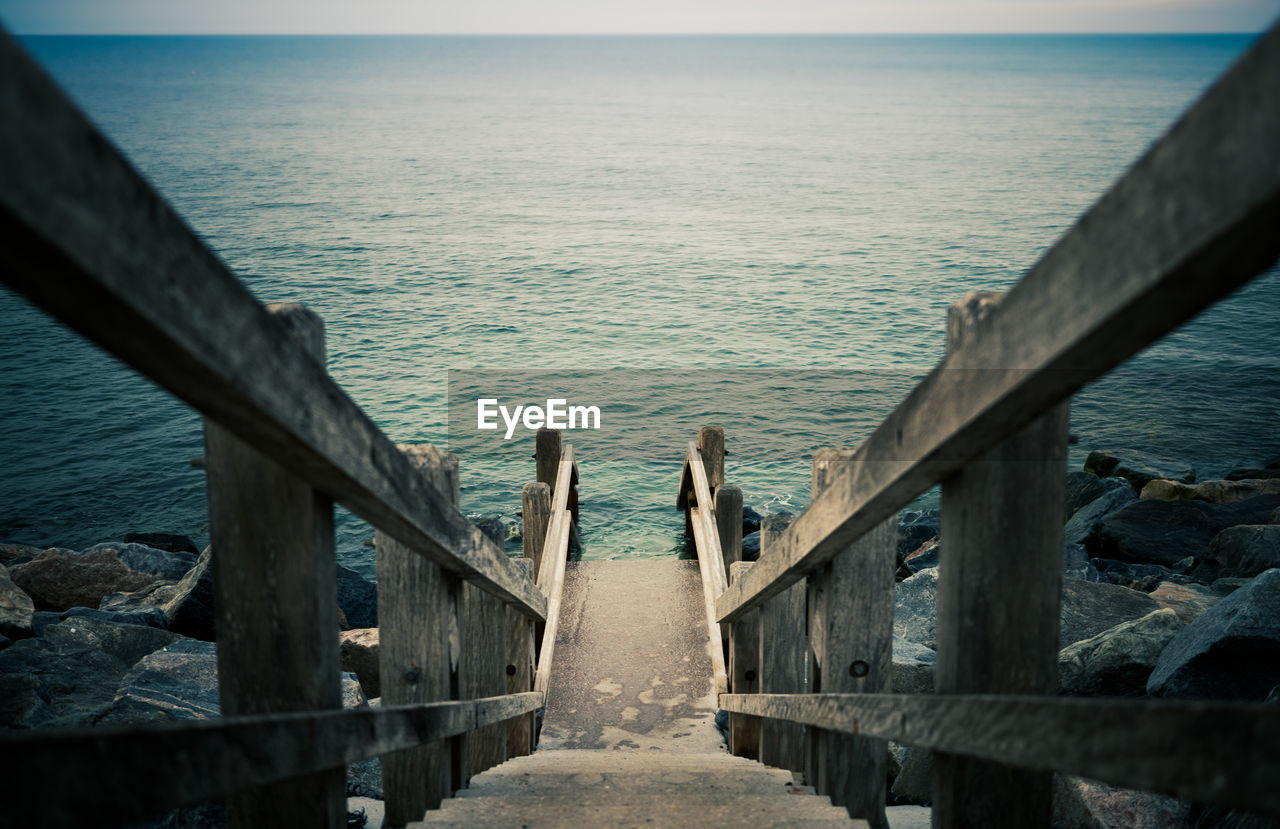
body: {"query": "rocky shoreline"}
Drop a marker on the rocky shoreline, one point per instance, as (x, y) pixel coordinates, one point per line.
(1171, 589)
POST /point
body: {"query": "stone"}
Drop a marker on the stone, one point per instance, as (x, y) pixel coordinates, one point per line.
(169, 542)
(359, 649)
(42, 686)
(750, 521)
(179, 682)
(1141, 577)
(1226, 492)
(1137, 467)
(58, 579)
(352, 695)
(914, 608)
(1083, 488)
(1231, 651)
(1076, 563)
(751, 546)
(125, 642)
(1165, 532)
(493, 528)
(358, 599)
(1186, 600)
(364, 779)
(915, 527)
(1089, 608)
(1088, 804)
(1117, 662)
(186, 604)
(926, 555)
(5, 641)
(147, 617)
(16, 608)
(10, 552)
(914, 783)
(1084, 524)
(1242, 551)
(159, 564)
(912, 668)
(1225, 587)
(1162, 490)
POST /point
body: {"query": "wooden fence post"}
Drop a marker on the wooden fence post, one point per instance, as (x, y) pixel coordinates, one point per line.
(744, 673)
(276, 603)
(728, 504)
(535, 515)
(547, 457)
(782, 651)
(711, 447)
(851, 639)
(418, 652)
(999, 591)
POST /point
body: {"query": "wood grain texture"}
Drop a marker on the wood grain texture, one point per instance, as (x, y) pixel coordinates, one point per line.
(546, 456)
(201, 759)
(711, 448)
(276, 602)
(417, 604)
(482, 672)
(715, 635)
(782, 657)
(744, 673)
(703, 521)
(559, 507)
(1213, 752)
(90, 242)
(1190, 222)
(557, 553)
(535, 513)
(851, 636)
(999, 591)
(728, 503)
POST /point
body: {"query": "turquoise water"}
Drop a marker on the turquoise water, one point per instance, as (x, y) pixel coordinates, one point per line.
(762, 232)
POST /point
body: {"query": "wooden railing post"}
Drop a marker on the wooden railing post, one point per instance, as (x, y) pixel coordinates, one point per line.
(744, 673)
(782, 650)
(999, 589)
(535, 515)
(728, 504)
(418, 652)
(276, 603)
(851, 640)
(547, 456)
(711, 446)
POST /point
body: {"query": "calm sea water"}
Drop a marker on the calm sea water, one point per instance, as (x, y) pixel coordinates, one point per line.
(762, 232)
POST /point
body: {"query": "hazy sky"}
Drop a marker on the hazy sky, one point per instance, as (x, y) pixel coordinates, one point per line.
(632, 16)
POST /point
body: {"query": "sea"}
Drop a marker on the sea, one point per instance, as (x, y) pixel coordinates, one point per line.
(757, 232)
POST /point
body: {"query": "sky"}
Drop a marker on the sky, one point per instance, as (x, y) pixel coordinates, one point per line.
(630, 16)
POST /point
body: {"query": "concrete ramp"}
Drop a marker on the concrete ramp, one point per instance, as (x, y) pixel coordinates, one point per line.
(632, 669)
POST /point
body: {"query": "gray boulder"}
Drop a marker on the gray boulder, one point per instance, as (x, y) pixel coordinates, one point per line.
(179, 682)
(41, 686)
(357, 598)
(1137, 467)
(125, 642)
(750, 521)
(751, 546)
(1231, 651)
(147, 617)
(1084, 524)
(59, 579)
(1186, 600)
(1076, 563)
(359, 655)
(1087, 804)
(914, 782)
(187, 604)
(171, 542)
(1089, 608)
(497, 528)
(1242, 551)
(912, 668)
(915, 527)
(16, 608)
(160, 564)
(1143, 577)
(925, 556)
(915, 608)
(1165, 532)
(1116, 662)
(1083, 488)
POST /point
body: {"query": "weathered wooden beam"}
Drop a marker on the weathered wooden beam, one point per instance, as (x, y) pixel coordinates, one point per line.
(127, 774)
(1212, 752)
(851, 637)
(546, 456)
(782, 656)
(88, 240)
(276, 602)
(557, 551)
(715, 636)
(482, 673)
(559, 512)
(535, 513)
(1190, 222)
(703, 522)
(744, 673)
(999, 590)
(729, 523)
(711, 449)
(417, 615)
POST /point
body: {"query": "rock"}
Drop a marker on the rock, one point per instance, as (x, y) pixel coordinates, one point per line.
(42, 686)
(1186, 600)
(1083, 488)
(1226, 492)
(58, 579)
(147, 617)
(1242, 551)
(1165, 532)
(9, 553)
(364, 779)
(925, 556)
(914, 783)
(1137, 467)
(1077, 565)
(352, 696)
(751, 546)
(1231, 651)
(912, 668)
(1089, 608)
(5, 641)
(16, 608)
(915, 527)
(169, 542)
(750, 521)
(359, 649)
(1088, 804)
(357, 598)
(1141, 577)
(128, 643)
(1117, 662)
(159, 564)
(1162, 490)
(186, 604)
(914, 608)
(1084, 524)
(1224, 587)
(493, 528)
(179, 682)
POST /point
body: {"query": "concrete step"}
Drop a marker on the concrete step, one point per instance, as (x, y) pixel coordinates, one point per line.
(650, 810)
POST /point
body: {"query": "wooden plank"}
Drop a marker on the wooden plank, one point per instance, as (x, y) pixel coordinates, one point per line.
(275, 602)
(1190, 222)
(729, 523)
(519, 671)
(547, 456)
(744, 673)
(999, 590)
(90, 242)
(535, 513)
(482, 672)
(715, 636)
(709, 534)
(417, 604)
(851, 635)
(1213, 752)
(711, 448)
(201, 759)
(554, 585)
(559, 509)
(782, 652)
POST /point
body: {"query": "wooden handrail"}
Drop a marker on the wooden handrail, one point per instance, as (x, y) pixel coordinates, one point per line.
(1211, 752)
(566, 471)
(88, 240)
(1191, 221)
(558, 551)
(123, 775)
(706, 539)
